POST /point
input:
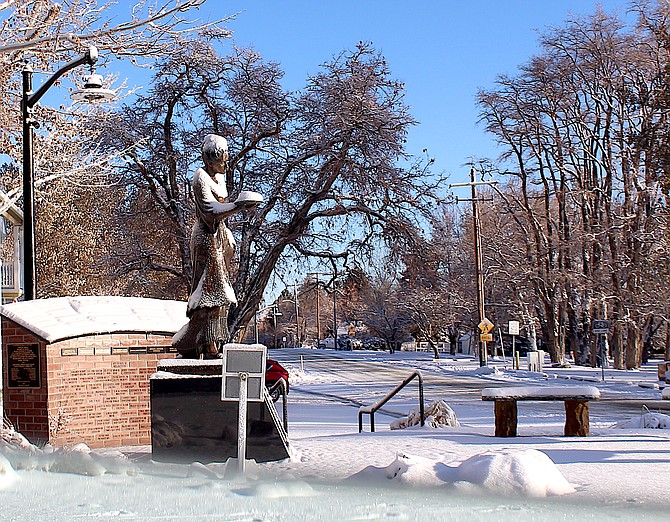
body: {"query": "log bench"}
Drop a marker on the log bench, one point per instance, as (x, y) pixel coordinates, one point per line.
(576, 399)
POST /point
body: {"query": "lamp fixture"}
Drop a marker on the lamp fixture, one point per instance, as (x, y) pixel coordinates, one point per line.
(93, 91)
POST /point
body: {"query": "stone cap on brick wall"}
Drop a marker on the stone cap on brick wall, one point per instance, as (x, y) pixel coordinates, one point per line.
(61, 318)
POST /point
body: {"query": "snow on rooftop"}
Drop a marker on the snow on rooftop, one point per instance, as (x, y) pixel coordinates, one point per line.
(66, 317)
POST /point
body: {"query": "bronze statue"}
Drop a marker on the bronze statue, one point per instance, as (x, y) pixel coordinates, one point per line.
(212, 248)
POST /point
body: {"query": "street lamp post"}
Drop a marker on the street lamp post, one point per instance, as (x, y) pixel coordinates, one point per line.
(93, 91)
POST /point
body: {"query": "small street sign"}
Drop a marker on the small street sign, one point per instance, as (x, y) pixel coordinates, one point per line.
(513, 327)
(486, 337)
(600, 326)
(485, 326)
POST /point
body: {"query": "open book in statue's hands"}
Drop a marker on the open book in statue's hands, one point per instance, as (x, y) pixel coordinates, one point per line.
(248, 199)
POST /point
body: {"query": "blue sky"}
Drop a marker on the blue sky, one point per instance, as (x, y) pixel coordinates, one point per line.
(444, 51)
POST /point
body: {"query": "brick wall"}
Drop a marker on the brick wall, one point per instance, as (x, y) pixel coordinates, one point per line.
(26, 408)
(95, 389)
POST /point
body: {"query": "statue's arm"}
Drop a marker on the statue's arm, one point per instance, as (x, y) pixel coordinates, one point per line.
(208, 201)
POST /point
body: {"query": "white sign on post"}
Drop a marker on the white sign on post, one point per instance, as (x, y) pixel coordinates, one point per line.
(243, 380)
(243, 358)
(513, 327)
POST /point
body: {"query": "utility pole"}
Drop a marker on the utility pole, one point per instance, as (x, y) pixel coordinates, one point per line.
(335, 309)
(275, 314)
(479, 272)
(335, 315)
(318, 311)
(297, 322)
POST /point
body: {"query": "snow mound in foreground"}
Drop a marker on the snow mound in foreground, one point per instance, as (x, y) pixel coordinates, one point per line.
(649, 420)
(407, 470)
(529, 473)
(7, 474)
(19, 454)
(437, 414)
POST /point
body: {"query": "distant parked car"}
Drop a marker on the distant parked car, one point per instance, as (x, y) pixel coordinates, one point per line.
(273, 372)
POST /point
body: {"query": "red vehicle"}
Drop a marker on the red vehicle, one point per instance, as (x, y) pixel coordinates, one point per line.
(273, 372)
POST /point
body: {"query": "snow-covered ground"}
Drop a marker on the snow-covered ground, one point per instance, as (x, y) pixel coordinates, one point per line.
(457, 472)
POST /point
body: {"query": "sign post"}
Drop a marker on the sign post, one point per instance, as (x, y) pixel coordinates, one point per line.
(601, 327)
(513, 329)
(243, 380)
(485, 326)
(242, 424)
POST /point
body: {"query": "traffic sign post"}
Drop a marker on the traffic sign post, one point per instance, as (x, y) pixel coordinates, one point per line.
(601, 327)
(485, 326)
(513, 328)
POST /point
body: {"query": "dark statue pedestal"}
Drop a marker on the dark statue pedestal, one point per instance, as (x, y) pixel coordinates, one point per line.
(190, 423)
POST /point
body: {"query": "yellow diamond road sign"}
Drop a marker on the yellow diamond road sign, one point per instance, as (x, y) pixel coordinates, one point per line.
(485, 326)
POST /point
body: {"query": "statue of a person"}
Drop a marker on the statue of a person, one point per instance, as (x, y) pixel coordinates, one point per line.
(212, 248)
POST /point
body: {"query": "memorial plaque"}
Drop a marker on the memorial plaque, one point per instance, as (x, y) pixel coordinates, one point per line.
(67, 352)
(243, 358)
(23, 366)
(137, 350)
(86, 350)
(119, 351)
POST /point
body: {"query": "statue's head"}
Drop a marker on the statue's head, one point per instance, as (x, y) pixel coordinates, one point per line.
(214, 150)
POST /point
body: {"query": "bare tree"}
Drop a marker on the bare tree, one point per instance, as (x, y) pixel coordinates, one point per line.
(384, 314)
(47, 34)
(326, 159)
(436, 293)
(577, 123)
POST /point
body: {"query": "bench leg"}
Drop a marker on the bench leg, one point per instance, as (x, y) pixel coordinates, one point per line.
(505, 412)
(576, 418)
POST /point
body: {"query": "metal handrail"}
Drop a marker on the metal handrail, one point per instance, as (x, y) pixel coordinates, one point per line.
(372, 409)
(281, 385)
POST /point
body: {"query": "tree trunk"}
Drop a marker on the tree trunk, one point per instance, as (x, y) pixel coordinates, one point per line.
(633, 347)
(616, 346)
(436, 353)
